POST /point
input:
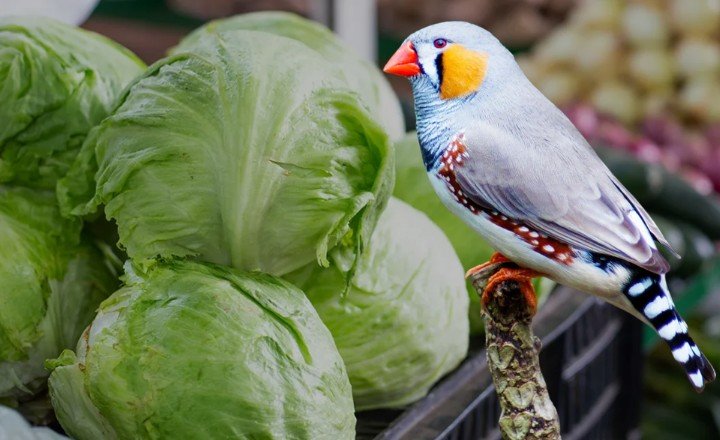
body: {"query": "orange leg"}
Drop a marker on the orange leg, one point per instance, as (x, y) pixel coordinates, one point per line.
(497, 257)
(518, 274)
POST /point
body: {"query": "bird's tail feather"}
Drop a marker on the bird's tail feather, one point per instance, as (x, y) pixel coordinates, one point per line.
(649, 295)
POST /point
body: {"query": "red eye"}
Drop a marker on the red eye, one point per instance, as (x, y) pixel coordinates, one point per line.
(440, 43)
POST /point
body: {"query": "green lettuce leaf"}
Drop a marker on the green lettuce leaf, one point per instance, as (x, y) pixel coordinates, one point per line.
(246, 149)
(50, 284)
(365, 78)
(191, 350)
(56, 83)
(403, 322)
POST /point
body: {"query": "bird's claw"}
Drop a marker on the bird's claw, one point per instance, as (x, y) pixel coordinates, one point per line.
(522, 276)
(488, 276)
(494, 261)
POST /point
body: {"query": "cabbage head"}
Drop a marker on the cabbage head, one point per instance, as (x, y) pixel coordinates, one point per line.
(403, 323)
(413, 186)
(50, 285)
(56, 82)
(364, 76)
(14, 427)
(244, 149)
(197, 351)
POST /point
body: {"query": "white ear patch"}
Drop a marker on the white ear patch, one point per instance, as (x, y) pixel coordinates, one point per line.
(426, 57)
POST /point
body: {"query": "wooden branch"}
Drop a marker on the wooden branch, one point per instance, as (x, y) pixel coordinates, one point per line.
(512, 355)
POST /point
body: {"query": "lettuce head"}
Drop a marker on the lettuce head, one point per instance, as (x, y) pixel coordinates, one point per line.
(192, 350)
(244, 149)
(364, 77)
(50, 284)
(56, 83)
(403, 323)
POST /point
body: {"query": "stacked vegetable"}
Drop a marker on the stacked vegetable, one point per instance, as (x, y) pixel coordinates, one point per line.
(57, 82)
(250, 153)
(651, 67)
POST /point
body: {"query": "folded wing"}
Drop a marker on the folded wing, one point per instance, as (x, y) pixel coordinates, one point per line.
(558, 186)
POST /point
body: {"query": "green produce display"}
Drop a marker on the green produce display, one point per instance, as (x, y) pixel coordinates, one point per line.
(14, 427)
(50, 285)
(363, 76)
(189, 350)
(403, 323)
(56, 83)
(244, 149)
(413, 187)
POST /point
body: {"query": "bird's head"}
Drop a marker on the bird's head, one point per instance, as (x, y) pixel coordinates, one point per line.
(450, 60)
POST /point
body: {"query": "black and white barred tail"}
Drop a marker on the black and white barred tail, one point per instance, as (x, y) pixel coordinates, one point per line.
(649, 294)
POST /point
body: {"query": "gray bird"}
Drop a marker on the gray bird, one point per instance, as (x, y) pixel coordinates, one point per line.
(508, 162)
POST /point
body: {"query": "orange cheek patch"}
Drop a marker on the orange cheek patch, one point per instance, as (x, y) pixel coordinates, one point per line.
(463, 71)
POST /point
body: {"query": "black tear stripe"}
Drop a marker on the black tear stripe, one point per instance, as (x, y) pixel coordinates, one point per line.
(648, 294)
(439, 68)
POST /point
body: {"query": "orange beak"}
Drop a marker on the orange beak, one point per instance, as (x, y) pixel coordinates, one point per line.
(404, 61)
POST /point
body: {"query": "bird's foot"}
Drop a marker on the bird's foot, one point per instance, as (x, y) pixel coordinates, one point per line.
(496, 258)
(522, 276)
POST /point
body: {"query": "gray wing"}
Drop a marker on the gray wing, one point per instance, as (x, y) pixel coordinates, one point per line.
(557, 184)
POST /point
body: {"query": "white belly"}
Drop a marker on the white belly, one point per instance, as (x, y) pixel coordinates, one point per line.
(579, 275)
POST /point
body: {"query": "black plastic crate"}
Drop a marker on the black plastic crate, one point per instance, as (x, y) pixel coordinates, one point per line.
(592, 363)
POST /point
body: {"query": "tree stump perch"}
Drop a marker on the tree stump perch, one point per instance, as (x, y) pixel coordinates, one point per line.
(512, 355)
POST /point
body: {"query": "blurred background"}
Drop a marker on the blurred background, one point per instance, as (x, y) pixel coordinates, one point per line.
(639, 78)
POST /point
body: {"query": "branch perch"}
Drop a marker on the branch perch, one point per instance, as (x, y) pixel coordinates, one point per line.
(512, 355)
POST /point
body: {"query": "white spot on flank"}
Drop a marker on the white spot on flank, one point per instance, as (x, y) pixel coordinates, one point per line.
(534, 242)
(548, 248)
(639, 287)
(503, 218)
(656, 307)
(534, 234)
(682, 353)
(669, 330)
(562, 257)
(696, 379)
(523, 229)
